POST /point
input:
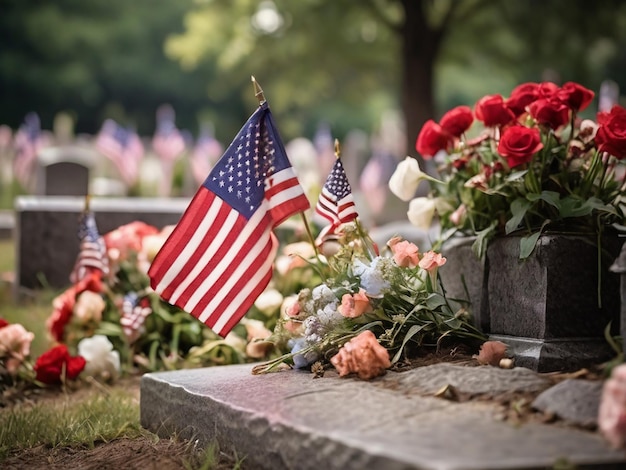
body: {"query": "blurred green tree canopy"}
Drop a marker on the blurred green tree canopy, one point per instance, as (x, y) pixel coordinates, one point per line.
(339, 61)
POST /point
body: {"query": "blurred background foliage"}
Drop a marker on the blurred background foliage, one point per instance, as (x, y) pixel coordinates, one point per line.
(336, 61)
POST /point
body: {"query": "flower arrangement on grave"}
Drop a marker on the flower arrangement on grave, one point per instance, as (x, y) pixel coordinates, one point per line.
(523, 164)
(370, 308)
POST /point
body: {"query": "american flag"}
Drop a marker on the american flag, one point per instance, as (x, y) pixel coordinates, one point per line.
(335, 202)
(28, 142)
(168, 142)
(123, 147)
(219, 258)
(204, 155)
(134, 314)
(92, 255)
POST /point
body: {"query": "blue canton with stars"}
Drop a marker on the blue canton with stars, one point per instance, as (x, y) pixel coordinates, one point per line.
(337, 183)
(254, 155)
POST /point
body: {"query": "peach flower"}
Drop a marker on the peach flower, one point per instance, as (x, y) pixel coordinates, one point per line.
(14, 345)
(257, 347)
(89, 307)
(355, 305)
(405, 253)
(362, 355)
(129, 237)
(612, 410)
(431, 261)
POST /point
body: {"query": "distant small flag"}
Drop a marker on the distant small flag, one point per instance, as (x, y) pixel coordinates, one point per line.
(92, 255)
(219, 258)
(28, 141)
(335, 203)
(205, 154)
(168, 142)
(134, 314)
(123, 147)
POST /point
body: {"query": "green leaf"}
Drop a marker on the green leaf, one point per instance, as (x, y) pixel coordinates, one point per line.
(435, 300)
(527, 244)
(415, 329)
(516, 175)
(519, 207)
(479, 247)
(551, 197)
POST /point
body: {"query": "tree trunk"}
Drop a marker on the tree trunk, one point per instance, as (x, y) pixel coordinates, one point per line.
(420, 44)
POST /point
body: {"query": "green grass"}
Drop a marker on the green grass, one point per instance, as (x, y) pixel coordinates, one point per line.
(69, 423)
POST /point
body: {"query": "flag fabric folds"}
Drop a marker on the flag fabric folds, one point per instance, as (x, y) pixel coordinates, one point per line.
(135, 310)
(92, 255)
(335, 203)
(219, 257)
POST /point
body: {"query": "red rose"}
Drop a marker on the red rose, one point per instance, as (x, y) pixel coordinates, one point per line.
(457, 120)
(3, 323)
(611, 135)
(521, 96)
(518, 144)
(546, 90)
(432, 138)
(576, 96)
(50, 365)
(550, 112)
(492, 110)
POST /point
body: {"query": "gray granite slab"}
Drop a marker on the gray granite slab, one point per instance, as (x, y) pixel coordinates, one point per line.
(289, 420)
(573, 400)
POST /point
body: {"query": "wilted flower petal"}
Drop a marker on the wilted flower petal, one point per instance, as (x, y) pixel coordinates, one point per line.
(362, 355)
(491, 352)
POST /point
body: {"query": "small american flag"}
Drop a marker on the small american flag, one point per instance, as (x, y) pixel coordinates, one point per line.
(204, 155)
(92, 255)
(219, 258)
(134, 314)
(28, 142)
(123, 147)
(168, 142)
(335, 202)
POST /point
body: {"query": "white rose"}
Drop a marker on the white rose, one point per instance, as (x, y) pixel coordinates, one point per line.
(407, 177)
(421, 212)
(269, 301)
(102, 361)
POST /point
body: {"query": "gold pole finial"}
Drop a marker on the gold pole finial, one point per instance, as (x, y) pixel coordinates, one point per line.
(337, 148)
(258, 91)
(87, 201)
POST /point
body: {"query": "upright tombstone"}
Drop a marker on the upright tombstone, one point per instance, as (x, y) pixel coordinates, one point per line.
(64, 171)
(46, 231)
(619, 267)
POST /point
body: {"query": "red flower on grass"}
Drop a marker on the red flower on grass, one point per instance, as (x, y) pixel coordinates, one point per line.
(51, 365)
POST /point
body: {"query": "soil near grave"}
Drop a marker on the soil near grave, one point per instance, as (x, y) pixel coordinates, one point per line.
(150, 452)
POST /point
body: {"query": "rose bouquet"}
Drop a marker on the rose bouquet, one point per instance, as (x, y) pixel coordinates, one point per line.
(369, 310)
(526, 163)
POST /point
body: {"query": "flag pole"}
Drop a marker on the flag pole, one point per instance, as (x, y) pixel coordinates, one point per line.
(258, 92)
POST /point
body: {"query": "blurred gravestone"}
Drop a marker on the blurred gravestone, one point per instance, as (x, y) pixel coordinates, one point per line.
(46, 231)
(64, 171)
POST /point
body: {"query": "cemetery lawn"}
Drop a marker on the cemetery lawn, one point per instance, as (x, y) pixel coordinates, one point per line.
(91, 426)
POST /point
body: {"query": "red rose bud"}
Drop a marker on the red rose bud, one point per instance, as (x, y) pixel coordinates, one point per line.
(576, 96)
(521, 96)
(432, 138)
(457, 120)
(611, 135)
(546, 90)
(492, 110)
(550, 112)
(518, 144)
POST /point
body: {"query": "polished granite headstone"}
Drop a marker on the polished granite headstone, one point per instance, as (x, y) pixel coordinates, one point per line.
(47, 226)
(290, 420)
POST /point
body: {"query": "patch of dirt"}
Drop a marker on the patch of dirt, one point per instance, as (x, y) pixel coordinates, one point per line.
(132, 454)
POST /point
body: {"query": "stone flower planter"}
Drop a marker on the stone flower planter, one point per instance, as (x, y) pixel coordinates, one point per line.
(547, 308)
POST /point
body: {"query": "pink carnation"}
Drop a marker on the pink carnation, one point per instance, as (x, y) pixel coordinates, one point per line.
(362, 355)
(405, 254)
